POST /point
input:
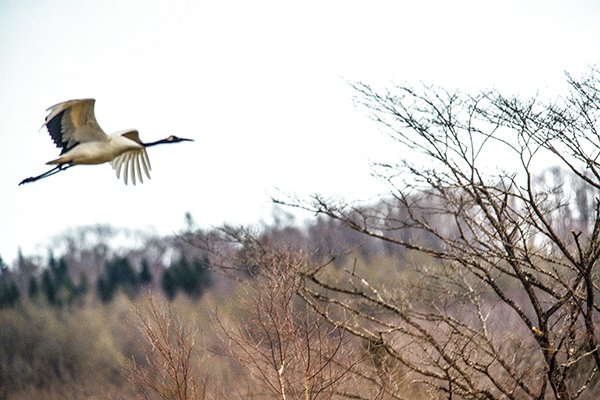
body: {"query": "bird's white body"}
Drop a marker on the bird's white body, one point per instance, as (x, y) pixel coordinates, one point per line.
(73, 127)
(99, 152)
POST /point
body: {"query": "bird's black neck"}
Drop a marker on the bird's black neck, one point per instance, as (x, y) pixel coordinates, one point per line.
(157, 142)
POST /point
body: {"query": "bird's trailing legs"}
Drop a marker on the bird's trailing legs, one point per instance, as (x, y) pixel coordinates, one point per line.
(46, 174)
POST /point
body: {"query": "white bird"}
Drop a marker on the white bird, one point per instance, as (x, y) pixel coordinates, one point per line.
(73, 128)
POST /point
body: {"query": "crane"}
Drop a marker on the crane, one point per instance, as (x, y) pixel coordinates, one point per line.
(73, 127)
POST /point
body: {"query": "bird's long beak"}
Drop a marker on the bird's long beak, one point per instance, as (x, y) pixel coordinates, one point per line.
(187, 140)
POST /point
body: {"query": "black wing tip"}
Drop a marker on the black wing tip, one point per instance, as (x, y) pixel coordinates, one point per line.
(54, 127)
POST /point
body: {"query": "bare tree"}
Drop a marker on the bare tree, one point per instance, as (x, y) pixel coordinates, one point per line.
(289, 351)
(168, 371)
(506, 306)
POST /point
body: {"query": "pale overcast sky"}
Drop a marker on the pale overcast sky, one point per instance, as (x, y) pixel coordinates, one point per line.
(261, 87)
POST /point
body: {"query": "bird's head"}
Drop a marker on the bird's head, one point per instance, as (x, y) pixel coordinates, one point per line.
(176, 139)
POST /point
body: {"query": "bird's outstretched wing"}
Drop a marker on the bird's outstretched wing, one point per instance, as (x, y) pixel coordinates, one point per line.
(131, 163)
(73, 122)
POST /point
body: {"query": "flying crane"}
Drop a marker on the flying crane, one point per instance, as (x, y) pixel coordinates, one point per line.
(73, 127)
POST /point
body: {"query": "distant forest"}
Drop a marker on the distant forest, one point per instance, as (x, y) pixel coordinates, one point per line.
(89, 260)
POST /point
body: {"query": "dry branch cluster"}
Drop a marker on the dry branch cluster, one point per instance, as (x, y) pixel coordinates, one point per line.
(499, 299)
(507, 304)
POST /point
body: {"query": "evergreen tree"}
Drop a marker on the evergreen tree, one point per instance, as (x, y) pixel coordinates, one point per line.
(192, 278)
(121, 273)
(118, 274)
(169, 284)
(48, 287)
(3, 269)
(9, 294)
(57, 284)
(145, 277)
(197, 277)
(105, 290)
(33, 288)
(184, 276)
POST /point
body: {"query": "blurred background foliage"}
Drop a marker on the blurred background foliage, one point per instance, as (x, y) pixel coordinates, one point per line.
(70, 328)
